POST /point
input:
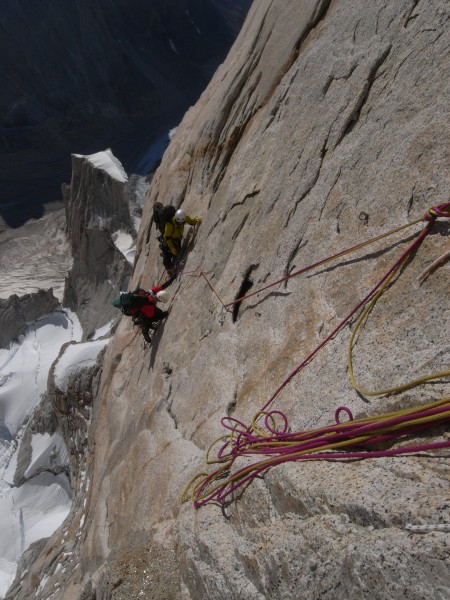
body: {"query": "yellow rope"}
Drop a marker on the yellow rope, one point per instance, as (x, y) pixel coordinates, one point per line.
(193, 489)
(362, 319)
(190, 491)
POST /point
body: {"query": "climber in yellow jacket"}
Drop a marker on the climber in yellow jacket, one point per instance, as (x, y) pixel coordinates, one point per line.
(173, 236)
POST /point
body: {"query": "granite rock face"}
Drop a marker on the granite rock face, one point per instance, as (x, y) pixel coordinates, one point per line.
(96, 204)
(35, 256)
(17, 311)
(326, 126)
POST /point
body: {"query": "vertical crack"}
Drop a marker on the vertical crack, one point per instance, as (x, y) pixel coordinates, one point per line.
(289, 266)
(319, 15)
(240, 228)
(354, 115)
(333, 185)
(172, 415)
(411, 16)
(411, 200)
(246, 285)
(314, 180)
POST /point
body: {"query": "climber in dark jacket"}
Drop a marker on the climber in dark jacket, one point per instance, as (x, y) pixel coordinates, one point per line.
(161, 214)
(141, 305)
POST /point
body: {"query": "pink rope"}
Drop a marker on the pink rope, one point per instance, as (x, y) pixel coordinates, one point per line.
(243, 441)
(222, 492)
(360, 304)
(342, 409)
(440, 210)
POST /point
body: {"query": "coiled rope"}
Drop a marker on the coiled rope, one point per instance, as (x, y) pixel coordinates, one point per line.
(279, 445)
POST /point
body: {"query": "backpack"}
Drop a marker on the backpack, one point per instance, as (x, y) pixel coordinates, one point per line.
(130, 302)
(162, 214)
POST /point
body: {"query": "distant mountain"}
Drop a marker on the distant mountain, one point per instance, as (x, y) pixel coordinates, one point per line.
(83, 75)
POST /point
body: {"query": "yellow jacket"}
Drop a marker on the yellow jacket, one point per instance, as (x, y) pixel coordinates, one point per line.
(174, 231)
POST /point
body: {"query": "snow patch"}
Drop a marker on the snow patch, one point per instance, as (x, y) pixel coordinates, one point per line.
(125, 244)
(44, 504)
(107, 162)
(43, 583)
(8, 463)
(76, 358)
(77, 330)
(130, 255)
(7, 574)
(38, 507)
(136, 222)
(47, 450)
(102, 331)
(24, 365)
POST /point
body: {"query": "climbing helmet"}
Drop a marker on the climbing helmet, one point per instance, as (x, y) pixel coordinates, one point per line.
(162, 296)
(180, 216)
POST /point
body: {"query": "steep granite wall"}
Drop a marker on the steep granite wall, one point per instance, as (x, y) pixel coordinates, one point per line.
(326, 126)
(96, 207)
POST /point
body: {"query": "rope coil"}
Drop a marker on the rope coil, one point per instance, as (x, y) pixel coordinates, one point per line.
(353, 439)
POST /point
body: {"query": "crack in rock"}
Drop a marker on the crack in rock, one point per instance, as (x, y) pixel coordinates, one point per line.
(313, 180)
(362, 97)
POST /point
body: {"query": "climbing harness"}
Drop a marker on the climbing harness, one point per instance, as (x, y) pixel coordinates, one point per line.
(269, 435)
(180, 259)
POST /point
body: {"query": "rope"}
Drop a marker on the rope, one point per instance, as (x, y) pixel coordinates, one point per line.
(277, 445)
(203, 274)
(227, 305)
(327, 260)
(394, 389)
(326, 443)
(383, 282)
(430, 215)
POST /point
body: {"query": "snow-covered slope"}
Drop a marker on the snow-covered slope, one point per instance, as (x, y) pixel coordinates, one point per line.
(35, 503)
(45, 371)
(24, 366)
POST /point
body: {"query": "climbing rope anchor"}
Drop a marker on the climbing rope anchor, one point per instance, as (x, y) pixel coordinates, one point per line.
(279, 446)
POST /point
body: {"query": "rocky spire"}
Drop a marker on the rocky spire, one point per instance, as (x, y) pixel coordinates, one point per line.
(96, 208)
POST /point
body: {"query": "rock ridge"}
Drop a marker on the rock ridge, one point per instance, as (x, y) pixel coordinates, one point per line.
(17, 311)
